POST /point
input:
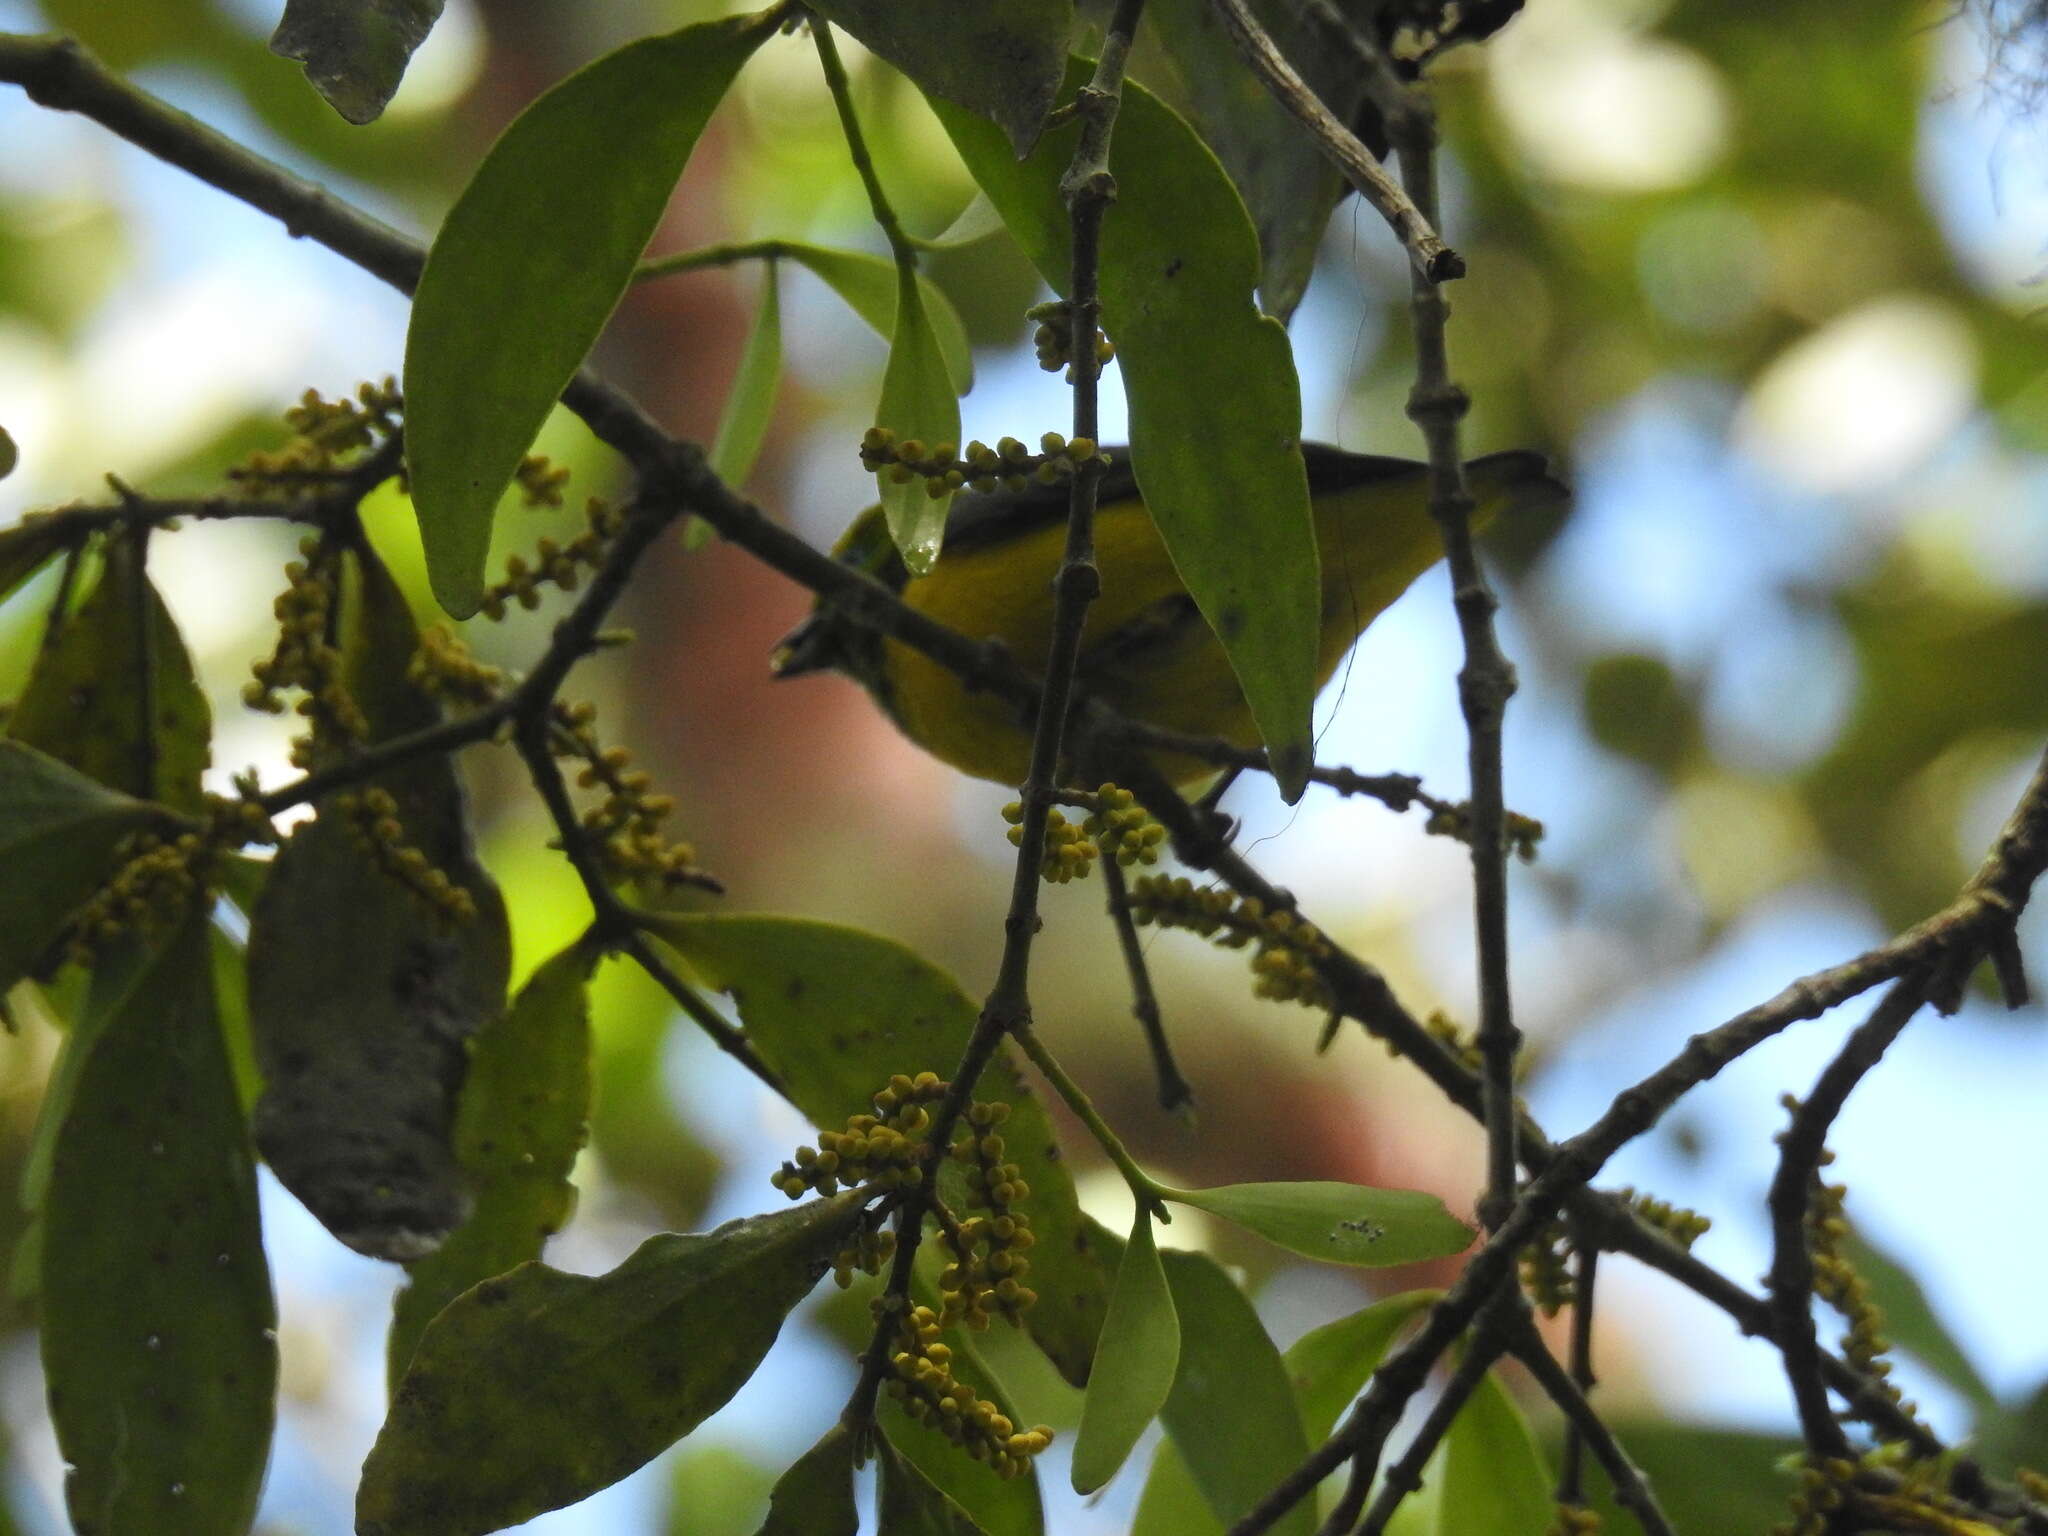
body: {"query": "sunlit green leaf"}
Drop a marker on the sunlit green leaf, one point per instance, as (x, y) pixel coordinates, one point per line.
(975, 223)
(518, 1127)
(911, 1506)
(360, 997)
(716, 1489)
(752, 401)
(1134, 1366)
(1330, 1365)
(536, 1389)
(867, 285)
(355, 51)
(917, 403)
(1000, 58)
(836, 1011)
(1232, 1412)
(113, 694)
(529, 265)
(1487, 1475)
(1338, 1223)
(815, 1496)
(58, 835)
(1215, 406)
(158, 1339)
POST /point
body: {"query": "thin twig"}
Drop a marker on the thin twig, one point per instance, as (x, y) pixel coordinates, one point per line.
(1174, 1093)
(1007, 1009)
(1404, 1474)
(1585, 1270)
(1631, 1489)
(1800, 1152)
(1485, 682)
(1426, 249)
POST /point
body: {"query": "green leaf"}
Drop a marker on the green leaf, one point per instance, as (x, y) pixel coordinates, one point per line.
(1910, 1321)
(58, 835)
(1487, 1475)
(752, 401)
(158, 1322)
(112, 692)
(716, 1490)
(1338, 1223)
(1000, 1506)
(355, 51)
(9, 457)
(1215, 406)
(974, 223)
(1330, 1365)
(26, 546)
(360, 999)
(1231, 1413)
(518, 1127)
(1134, 1365)
(1718, 1482)
(917, 402)
(1289, 186)
(534, 1390)
(912, 1506)
(1000, 58)
(867, 285)
(815, 1496)
(530, 264)
(835, 1011)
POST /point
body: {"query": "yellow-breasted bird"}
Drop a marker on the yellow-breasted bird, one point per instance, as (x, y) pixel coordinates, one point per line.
(1146, 652)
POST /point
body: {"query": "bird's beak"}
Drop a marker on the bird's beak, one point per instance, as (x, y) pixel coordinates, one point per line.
(810, 647)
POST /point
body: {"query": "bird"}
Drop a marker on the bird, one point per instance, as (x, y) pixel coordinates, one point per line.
(1146, 651)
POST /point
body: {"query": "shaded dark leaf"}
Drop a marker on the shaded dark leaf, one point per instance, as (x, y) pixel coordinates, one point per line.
(536, 1389)
(518, 1128)
(158, 1340)
(355, 51)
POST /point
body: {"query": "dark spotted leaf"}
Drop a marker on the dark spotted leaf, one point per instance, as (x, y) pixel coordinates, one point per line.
(519, 1125)
(361, 998)
(158, 1340)
(536, 1389)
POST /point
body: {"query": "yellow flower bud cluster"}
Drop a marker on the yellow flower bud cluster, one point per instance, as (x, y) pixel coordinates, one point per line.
(1546, 1269)
(866, 1253)
(325, 433)
(1573, 1520)
(1069, 851)
(921, 1379)
(1288, 946)
(540, 481)
(158, 877)
(884, 1149)
(1054, 334)
(446, 668)
(1445, 1030)
(160, 874)
(1682, 1226)
(626, 828)
(371, 816)
(944, 467)
(988, 1267)
(1821, 1491)
(1521, 833)
(306, 659)
(1123, 829)
(553, 564)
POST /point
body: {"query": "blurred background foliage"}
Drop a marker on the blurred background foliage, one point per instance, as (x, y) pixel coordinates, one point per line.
(1759, 275)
